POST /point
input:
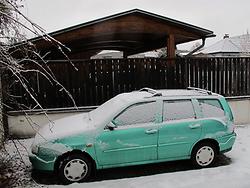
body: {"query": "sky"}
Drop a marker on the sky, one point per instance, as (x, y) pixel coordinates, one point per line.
(221, 16)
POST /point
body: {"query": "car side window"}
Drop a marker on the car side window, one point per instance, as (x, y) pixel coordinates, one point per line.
(178, 110)
(211, 108)
(136, 114)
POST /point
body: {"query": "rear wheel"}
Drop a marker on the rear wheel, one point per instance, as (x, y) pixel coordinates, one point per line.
(204, 155)
(75, 168)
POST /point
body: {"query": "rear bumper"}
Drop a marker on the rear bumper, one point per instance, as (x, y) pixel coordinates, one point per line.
(40, 164)
(226, 142)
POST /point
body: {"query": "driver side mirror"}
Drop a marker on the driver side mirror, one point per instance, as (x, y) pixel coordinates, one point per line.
(111, 126)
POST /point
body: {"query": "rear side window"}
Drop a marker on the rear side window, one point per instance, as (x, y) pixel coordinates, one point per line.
(211, 108)
(136, 114)
(177, 110)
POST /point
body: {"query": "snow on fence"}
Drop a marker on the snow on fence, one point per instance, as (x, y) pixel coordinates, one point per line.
(98, 80)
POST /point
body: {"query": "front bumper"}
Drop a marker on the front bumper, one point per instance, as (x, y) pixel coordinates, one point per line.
(40, 164)
(226, 142)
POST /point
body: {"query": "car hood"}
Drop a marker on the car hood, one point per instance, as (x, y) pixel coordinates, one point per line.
(64, 127)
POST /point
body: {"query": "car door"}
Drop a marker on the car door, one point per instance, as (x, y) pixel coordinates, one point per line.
(179, 130)
(133, 140)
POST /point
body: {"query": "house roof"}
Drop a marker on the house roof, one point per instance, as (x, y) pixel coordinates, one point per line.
(132, 32)
(236, 44)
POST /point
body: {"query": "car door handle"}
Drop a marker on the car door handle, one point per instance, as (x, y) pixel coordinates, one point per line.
(151, 131)
(195, 126)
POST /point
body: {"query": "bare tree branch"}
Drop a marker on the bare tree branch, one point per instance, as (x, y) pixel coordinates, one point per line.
(13, 41)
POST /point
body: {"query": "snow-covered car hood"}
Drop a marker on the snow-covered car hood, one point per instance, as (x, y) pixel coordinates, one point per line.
(64, 127)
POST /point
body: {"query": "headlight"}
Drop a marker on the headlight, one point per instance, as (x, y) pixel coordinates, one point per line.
(35, 149)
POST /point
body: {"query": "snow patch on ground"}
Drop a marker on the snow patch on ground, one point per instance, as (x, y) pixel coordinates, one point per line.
(15, 167)
(235, 174)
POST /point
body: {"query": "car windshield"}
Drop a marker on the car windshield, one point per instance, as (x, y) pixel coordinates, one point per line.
(106, 110)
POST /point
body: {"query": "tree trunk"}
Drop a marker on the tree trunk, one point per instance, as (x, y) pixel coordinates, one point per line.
(1, 113)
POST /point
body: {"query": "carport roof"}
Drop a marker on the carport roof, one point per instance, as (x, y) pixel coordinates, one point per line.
(133, 31)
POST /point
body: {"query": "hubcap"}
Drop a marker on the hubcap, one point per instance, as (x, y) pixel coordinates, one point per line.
(205, 156)
(75, 170)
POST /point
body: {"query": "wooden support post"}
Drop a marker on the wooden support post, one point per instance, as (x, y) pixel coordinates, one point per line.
(125, 54)
(171, 47)
(171, 80)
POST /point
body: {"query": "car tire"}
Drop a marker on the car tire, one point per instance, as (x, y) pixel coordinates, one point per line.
(204, 155)
(75, 168)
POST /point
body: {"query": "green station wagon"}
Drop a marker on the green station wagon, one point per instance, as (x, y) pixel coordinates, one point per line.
(140, 127)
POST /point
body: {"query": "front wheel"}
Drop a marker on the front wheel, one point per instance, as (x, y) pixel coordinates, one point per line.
(75, 168)
(203, 155)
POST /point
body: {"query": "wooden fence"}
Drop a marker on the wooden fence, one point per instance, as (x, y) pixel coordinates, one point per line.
(98, 80)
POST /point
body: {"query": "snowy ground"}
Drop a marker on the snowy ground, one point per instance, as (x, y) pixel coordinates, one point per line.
(232, 170)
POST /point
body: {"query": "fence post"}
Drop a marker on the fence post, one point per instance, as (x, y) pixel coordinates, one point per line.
(1, 113)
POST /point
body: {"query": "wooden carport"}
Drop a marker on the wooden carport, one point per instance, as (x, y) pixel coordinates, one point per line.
(132, 32)
(93, 81)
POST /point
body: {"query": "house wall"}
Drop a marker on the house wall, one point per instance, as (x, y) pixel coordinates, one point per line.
(26, 126)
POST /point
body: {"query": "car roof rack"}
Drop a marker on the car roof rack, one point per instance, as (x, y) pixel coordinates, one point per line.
(200, 90)
(152, 91)
(149, 90)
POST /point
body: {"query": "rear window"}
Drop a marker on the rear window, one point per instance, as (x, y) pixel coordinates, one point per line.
(211, 108)
(177, 110)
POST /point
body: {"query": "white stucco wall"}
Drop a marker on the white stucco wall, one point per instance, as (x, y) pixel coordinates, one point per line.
(25, 126)
(241, 110)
